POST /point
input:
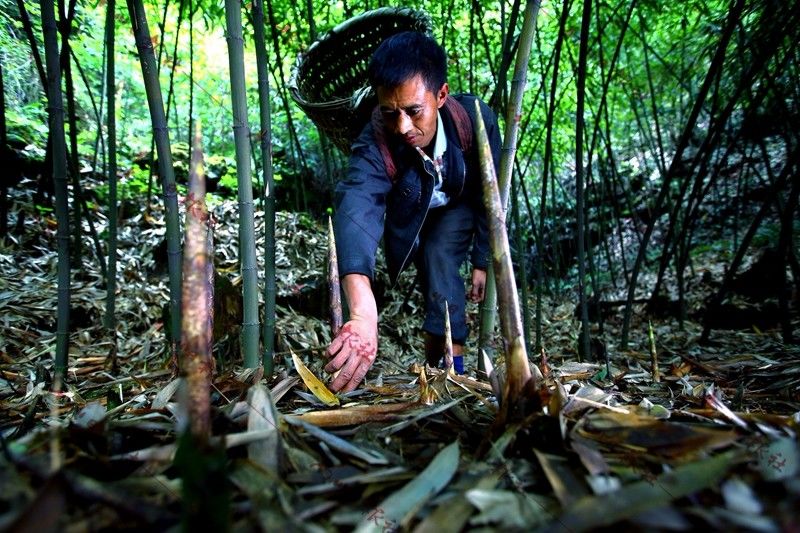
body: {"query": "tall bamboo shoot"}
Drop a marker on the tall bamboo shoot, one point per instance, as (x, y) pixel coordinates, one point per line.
(518, 371)
(196, 360)
(334, 286)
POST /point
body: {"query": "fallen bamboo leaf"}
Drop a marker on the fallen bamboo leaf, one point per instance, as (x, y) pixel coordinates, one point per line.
(566, 486)
(509, 510)
(166, 393)
(780, 459)
(723, 409)
(314, 384)
(594, 461)
(360, 414)
(631, 500)
(592, 403)
(90, 416)
(263, 416)
(400, 507)
(452, 515)
(661, 438)
(585, 398)
(470, 383)
(310, 398)
(494, 378)
(388, 430)
(338, 443)
(167, 452)
(740, 498)
(385, 475)
(285, 385)
(267, 492)
(465, 384)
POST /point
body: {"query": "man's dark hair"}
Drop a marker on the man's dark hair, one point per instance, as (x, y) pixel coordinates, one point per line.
(404, 55)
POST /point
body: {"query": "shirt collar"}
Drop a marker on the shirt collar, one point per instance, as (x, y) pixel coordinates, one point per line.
(440, 147)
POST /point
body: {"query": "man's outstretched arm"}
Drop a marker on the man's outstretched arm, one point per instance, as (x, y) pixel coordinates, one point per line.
(354, 348)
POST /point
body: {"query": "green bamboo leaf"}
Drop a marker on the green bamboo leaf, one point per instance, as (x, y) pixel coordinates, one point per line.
(452, 515)
(395, 509)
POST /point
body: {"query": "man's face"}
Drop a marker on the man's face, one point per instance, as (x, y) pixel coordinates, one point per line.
(410, 110)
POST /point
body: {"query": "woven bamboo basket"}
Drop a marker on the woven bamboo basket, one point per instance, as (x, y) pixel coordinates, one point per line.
(329, 80)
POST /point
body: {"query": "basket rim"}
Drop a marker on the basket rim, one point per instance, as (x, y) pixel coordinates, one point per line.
(418, 15)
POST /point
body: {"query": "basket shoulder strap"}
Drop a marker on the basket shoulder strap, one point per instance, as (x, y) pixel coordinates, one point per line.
(383, 146)
(461, 121)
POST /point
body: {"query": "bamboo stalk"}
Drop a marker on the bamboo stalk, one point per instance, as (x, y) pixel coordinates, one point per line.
(72, 159)
(161, 25)
(334, 287)
(518, 371)
(3, 184)
(268, 197)
(79, 196)
(196, 360)
(521, 261)
(241, 133)
(584, 341)
(144, 44)
(59, 152)
(111, 122)
(190, 103)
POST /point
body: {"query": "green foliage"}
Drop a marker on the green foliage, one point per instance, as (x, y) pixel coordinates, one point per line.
(21, 80)
(663, 58)
(222, 168)
(27, 125)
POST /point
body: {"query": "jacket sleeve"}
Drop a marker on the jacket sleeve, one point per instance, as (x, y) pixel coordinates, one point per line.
(480, 247)
(360, 201)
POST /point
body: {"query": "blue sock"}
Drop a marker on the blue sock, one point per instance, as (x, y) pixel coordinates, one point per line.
(458, 364)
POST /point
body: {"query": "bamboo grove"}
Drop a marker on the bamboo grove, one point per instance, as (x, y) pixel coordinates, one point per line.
(634, 130)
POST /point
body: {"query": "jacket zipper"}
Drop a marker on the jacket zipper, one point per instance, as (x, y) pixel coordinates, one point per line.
(424, 217)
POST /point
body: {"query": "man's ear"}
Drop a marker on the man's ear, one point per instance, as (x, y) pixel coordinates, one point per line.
(441, 95)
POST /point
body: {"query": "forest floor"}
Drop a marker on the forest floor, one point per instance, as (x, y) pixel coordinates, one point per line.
(712, 441)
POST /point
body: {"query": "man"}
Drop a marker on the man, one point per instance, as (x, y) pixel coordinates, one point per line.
(413, 182)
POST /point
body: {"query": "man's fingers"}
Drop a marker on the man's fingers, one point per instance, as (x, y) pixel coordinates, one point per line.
(358, 377)
(476, 295)
(346, 374)
(340, 359)
(336, 344)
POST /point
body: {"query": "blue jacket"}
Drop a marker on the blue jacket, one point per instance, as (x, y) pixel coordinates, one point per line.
(369, 205)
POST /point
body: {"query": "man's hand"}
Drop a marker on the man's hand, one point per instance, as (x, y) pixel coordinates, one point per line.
(354, 348)
(477, 291)
(353, 351)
